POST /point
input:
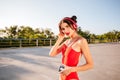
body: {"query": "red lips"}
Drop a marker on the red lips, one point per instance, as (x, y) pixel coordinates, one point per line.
(67, 33)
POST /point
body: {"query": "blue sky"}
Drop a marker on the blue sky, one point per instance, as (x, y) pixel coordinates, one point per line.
(96, 16)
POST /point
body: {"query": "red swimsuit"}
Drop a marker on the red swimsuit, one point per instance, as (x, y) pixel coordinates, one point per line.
(72, 60)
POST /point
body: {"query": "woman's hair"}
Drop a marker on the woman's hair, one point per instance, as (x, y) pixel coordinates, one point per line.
(74, 18)
(71, 21)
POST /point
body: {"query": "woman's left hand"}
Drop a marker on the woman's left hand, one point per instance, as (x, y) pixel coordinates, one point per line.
(66, 71)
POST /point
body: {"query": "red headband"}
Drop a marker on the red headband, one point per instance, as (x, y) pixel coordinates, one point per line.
(74, 23)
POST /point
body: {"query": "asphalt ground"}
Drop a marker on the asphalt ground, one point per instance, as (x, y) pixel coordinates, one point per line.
(34, 63)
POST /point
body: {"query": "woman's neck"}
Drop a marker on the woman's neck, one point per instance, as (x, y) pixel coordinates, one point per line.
(74, 35)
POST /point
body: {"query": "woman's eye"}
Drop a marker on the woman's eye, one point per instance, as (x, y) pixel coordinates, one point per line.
(62, 28)
(67, 26)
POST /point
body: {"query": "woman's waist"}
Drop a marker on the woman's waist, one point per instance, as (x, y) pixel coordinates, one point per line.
(69, 65)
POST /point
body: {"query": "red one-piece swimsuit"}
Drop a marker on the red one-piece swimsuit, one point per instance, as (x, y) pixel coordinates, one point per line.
(72, 61)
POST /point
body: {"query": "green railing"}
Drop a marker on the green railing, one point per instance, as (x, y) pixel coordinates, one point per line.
(4, 43)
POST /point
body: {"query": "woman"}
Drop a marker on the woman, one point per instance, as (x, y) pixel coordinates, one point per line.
(72, 49)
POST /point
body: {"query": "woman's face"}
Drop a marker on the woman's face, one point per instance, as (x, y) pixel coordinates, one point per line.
(65, 28)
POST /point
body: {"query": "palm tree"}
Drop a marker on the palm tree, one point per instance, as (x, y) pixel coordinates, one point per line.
(12, 31)
(25, 32)
(48, 33)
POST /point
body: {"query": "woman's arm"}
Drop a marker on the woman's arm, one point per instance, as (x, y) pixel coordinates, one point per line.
(87, 56)
(57, 47)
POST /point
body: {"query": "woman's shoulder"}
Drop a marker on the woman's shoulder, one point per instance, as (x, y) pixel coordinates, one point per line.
(82, 40)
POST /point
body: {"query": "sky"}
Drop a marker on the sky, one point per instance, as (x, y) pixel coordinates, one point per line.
(96, 16)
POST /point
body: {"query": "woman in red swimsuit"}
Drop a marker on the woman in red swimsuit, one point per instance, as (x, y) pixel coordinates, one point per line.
(71, 49)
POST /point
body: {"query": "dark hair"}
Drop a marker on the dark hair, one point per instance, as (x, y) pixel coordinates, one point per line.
(74, 18)
(69, 22)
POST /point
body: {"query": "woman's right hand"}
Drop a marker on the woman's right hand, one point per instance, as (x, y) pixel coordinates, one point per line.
(61, 36)
(57, 46)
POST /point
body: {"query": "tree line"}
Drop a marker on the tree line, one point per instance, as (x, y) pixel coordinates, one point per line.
(26, 32)
(111, 36)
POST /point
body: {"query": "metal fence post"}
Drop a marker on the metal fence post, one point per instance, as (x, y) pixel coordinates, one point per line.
(20, 43)
(50, 42)
(37, 42)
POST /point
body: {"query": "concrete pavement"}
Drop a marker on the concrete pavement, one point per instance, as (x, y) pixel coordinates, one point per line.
(35, 64)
